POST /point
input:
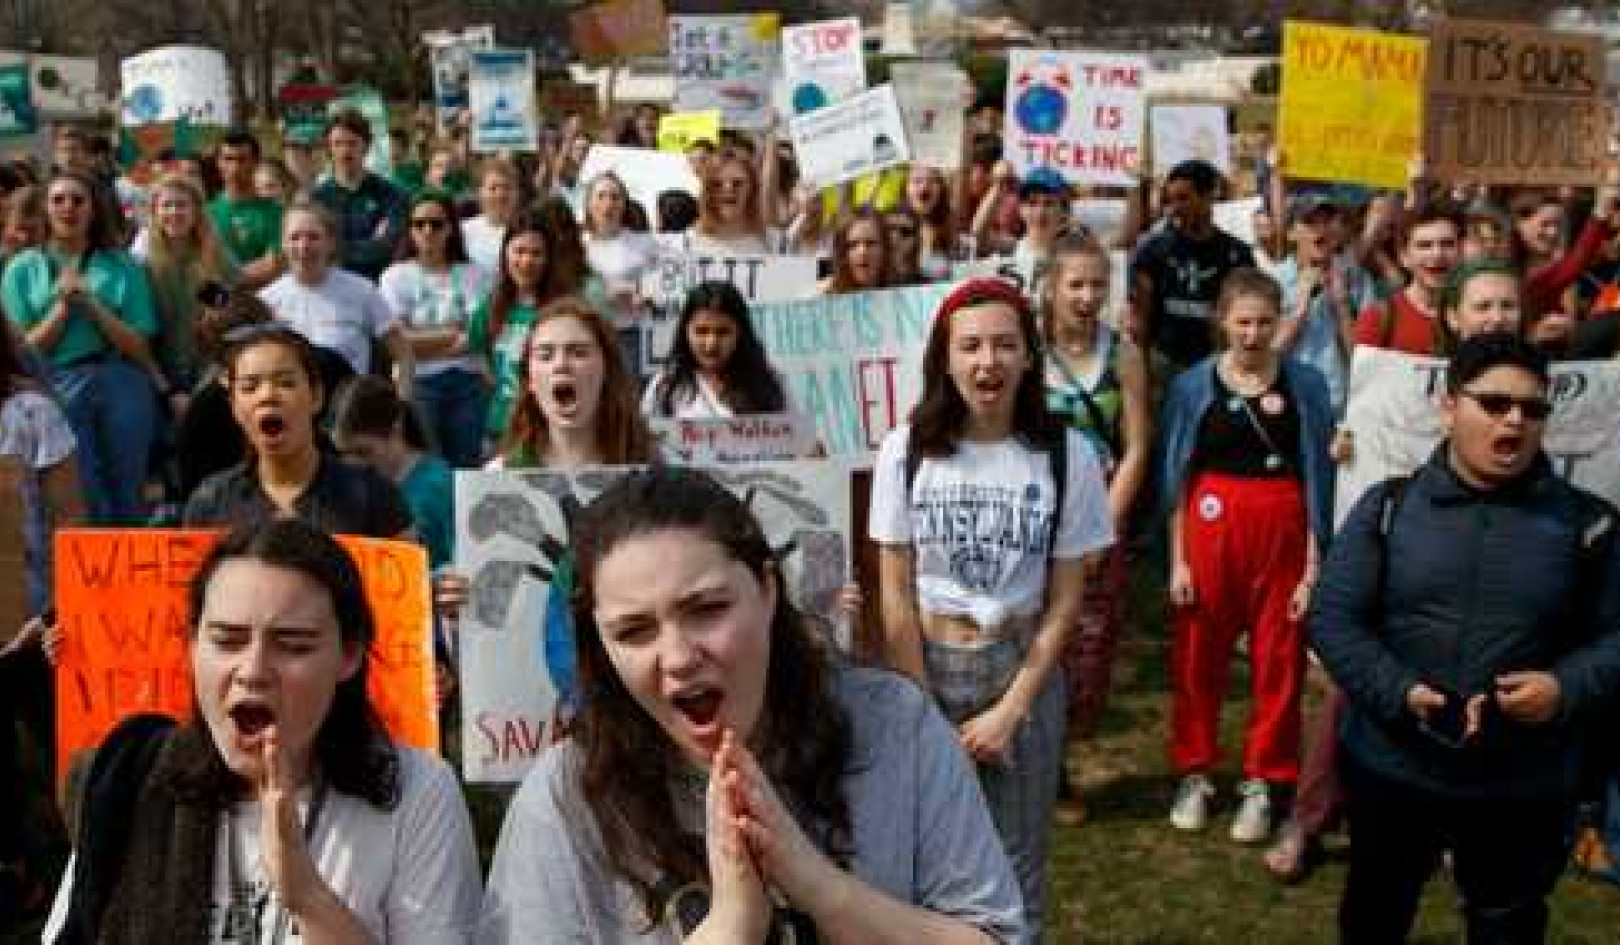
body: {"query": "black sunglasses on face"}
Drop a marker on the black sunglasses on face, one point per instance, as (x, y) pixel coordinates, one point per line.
(434, 224)
(1499, 405)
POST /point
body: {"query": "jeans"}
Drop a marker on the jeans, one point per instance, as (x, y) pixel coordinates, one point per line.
(453, 405)
(112, 408)
(1507, 855)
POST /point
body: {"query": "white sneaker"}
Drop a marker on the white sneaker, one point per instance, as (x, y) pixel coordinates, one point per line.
(1253, 821)
(1191, 809)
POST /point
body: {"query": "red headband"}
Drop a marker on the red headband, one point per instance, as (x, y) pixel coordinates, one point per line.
(979, 290)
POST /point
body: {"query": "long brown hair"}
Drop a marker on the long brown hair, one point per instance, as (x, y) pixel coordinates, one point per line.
(709, 198)
(505, 295)
(843, 279)
(621, 433)
(806, 736)
(937, 420)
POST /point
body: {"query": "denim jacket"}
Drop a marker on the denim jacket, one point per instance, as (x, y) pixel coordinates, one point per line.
(1191, 395)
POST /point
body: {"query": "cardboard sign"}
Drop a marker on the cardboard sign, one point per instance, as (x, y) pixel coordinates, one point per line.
(679, 131)
(1078, 115)
(502, 101)
(646, 173)
(853, 363)
(17, 113)
(304, 110)
(121, 603)
(619, 29)
(756, 438)
(1190, 132)
(853, 138)
(725, 63)
(822, 63)
(176, 83)
(1352, 104)
(1393, 413)
(931, 97)
(1513, 104)
(450, 54)
(511, 537)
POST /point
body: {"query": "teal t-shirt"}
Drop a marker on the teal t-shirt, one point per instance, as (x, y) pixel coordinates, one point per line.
(429, 490)
(503, 355)
(250, 229)
(28, 291)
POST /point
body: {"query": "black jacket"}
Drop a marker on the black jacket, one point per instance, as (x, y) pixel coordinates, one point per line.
(1462, 586)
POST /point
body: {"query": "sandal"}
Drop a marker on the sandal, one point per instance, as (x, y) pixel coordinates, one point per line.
(1293, 856)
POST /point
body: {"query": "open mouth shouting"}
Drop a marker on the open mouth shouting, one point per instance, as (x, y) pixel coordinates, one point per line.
(698, 707)
(271, 426)
(1507, 449)
(565, 398)
(250, 719)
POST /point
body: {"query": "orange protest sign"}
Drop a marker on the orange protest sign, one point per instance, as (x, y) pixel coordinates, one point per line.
(121, 604)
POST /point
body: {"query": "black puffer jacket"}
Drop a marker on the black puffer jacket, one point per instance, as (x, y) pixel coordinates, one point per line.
(1463, 586)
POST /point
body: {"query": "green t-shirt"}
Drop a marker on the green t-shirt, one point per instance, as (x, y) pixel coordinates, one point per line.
(28, 291)
(503, 355)
(250, 229)
(429, 490)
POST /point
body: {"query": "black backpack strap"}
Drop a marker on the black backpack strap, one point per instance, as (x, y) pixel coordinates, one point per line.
(1388, 505)
(107, 809)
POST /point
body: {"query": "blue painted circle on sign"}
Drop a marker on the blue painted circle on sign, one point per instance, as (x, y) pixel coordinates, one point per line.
(809, 97)
(145, 103)
(1041, 110)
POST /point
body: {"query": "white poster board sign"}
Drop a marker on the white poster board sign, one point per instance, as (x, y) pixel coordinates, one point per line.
(1075, 114)
(176, 83)
(1190, 132)
(450, 53)
(931, 97)
(501, 96)
(511, 537)
(822, 63)
(676, 270)
(722, 441)
(1393, 415)
(858, 136)
(646, 173)
(725, 64)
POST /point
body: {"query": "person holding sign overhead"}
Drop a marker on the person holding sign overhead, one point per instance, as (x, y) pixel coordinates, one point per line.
(988, 511)
(1246, 484)
(280, 811)
(779, 795)
(717, 367)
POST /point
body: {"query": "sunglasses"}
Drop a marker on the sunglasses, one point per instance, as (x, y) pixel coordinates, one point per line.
(1499, 404)
(433, 224)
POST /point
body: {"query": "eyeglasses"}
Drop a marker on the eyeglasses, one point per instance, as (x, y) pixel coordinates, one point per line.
(434, 224)
(1499, 405)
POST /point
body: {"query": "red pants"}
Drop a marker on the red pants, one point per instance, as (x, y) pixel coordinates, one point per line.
(1245, 543)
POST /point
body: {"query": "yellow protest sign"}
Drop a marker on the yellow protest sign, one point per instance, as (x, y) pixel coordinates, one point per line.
(680, 131)
(1352, 103)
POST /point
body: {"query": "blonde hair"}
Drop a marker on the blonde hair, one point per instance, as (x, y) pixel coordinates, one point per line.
(196, 257)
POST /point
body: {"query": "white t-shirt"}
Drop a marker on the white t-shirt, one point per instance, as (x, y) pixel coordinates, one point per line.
(620, 260)
(701, 403)
(344, 313)
(483, 240)
(409, 875)
(423, 299)
(979, 522)
(750, 245)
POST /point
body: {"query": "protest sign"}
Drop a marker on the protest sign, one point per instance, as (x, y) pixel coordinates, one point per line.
(512, 537)
(1190, 132)
(677, 132)
(1237, 217)
(822, 63)
(646, 173)
(14, 609)
(860, 135)
(930, 95)
(501, 96)
(1075, 114)
(852, 363)
(756, 438)
(1352, 104)
(1393, 415)
(304, 110)
(725, 63)
(1514, 104)
(450, 53)
(17, 113)
(676, 270)
(1103, 219)
(176, 83)
(121, 604)
(619, 29)
(371, 106)
(1029, 275)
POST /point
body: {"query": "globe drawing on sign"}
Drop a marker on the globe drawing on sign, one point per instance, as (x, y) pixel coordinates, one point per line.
(144, 104)
(1041, 105)
(808, 97)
